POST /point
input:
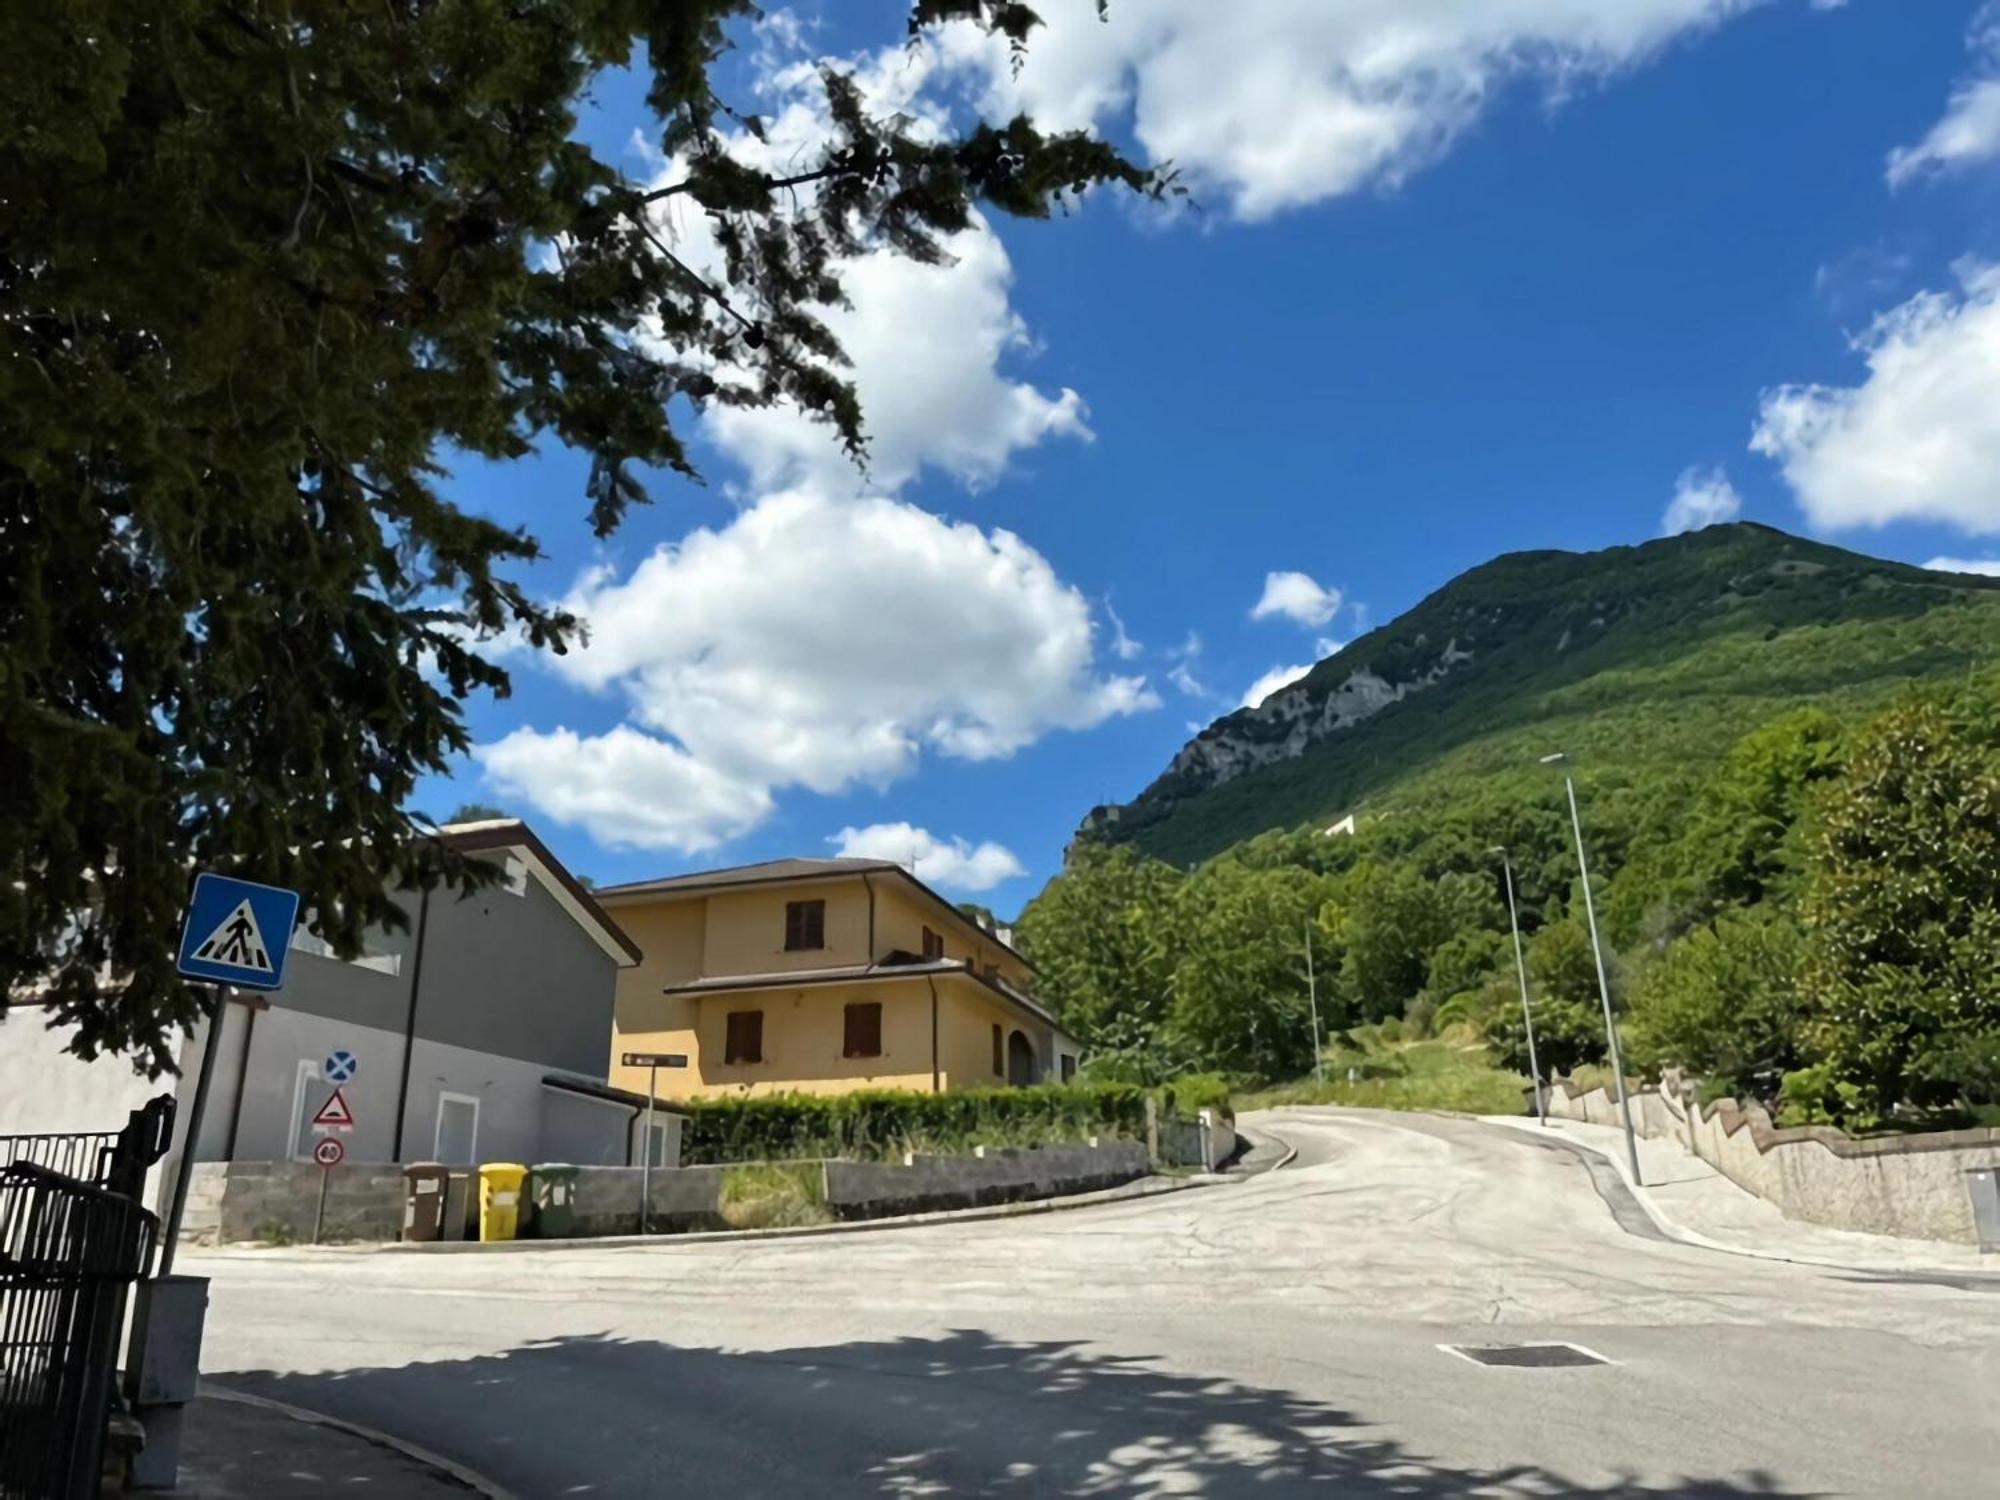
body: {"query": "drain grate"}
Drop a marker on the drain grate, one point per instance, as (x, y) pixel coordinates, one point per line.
(1526, 1356)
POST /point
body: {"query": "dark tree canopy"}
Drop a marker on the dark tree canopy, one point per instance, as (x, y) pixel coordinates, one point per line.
(263, 267)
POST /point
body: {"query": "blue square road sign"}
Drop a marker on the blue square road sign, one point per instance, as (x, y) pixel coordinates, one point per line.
(238, 932)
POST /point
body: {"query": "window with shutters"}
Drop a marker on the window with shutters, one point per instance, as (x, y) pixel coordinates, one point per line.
(999, 1053)
(863, 1031)
(1068, 1068)
(933, 944)
(805, 925)
(745, 1042)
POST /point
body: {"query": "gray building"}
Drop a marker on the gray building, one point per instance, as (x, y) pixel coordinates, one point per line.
(481, 1032)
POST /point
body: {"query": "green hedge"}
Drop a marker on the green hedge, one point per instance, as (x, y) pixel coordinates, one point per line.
(875, 1124)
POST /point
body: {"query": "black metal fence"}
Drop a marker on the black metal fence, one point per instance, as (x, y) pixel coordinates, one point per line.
(71, 1243)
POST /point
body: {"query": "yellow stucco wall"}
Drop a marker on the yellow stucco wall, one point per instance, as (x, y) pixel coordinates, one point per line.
(803, 1033)
(742, 932)
(902, 913)
(669, 937)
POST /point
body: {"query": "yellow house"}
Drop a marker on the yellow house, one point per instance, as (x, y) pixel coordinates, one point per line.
(823, 975)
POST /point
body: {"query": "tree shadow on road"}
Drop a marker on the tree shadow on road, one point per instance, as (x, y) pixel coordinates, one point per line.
(962, 1414)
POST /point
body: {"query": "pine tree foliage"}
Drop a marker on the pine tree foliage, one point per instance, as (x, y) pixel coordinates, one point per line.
(265, 266)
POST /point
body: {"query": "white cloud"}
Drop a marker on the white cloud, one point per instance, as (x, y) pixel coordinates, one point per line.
(1325, 646)
(1988, 567)
(951, 863)
(814, 643)
(630, 790)
(1970, 129)
(1287, 102)
(1919, 438)
(1702, 497)
(1271, 681)
(1122, 645)
(926, 344)
(1296, 597)
(1181, 672)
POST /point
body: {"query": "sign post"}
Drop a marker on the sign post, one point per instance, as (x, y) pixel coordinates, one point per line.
(328, 1153)
(236, 932)
(652, 1062)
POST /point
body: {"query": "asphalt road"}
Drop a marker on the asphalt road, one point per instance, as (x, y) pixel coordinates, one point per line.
(1268, 1338)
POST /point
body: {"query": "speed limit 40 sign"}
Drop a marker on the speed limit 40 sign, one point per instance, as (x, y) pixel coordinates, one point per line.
(329, 1152)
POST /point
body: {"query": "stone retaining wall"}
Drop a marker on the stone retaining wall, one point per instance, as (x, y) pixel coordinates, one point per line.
(1909, 1185)
(276, 1200)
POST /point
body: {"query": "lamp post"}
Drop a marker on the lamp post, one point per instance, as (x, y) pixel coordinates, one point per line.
(1521, 968)
(1597, 952)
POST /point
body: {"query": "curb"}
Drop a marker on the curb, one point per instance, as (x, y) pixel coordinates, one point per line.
(1680, 1234)
(450, 1468)
(1145, 1187)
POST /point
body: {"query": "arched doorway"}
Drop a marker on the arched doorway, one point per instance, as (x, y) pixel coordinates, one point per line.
(1021, 1068)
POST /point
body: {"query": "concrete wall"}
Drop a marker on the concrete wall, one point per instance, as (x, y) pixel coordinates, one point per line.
(513, 975)
(1913, 1185)
(1207, 1140)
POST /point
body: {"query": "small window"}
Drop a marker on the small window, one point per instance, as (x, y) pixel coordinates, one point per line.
(457, 1141)
(745, 1042)
(993, 973)
(805, 925)
(999, 1053)
(933, 944)
(863, 1030)
(1068, 1068)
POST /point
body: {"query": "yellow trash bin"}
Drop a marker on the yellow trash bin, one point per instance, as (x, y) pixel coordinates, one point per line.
(500, 1199)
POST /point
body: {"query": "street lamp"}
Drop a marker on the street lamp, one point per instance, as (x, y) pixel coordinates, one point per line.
(1521, 968)
(1597, 952)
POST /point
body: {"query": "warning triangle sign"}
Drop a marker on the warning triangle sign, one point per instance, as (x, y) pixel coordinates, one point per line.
(237, 940)
(334, 1114)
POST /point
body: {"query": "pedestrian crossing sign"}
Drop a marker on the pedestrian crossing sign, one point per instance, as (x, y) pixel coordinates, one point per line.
(238, 932)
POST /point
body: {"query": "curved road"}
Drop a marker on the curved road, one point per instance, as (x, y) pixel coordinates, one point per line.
(1273, 1337)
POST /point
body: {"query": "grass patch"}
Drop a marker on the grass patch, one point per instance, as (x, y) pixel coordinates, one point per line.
(1454, 1073)
(774, 1195)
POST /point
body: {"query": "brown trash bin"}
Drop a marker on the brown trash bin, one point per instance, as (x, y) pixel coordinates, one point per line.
(423, 1200)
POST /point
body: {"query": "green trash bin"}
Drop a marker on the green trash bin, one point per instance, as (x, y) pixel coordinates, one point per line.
(552, 1192)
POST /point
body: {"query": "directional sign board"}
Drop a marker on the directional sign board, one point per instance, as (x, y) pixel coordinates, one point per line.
(340, 1066)
(654, 1059)
(329, 1152)
(238, 932)
(334, 1114)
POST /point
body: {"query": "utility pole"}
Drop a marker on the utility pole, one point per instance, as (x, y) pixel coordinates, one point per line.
(1521, 968)
(1312, 998)
(1603, 986)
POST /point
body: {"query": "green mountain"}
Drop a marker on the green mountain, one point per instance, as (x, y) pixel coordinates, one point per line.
(1634, 660)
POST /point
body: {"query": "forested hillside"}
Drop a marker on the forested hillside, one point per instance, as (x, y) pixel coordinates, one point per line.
(1653, 656)
(1787, 758)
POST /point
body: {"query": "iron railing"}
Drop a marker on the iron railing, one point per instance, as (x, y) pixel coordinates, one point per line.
(73, 1238)
(68, 1251)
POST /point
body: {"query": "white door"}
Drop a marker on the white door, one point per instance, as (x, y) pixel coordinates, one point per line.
(457, 1143)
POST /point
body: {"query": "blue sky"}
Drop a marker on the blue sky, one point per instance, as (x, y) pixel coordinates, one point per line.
(1467, 276)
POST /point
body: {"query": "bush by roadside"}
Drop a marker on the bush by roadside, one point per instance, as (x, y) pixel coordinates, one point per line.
(882, 1124)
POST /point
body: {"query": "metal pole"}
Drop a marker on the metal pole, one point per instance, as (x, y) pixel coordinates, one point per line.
(1603, 987)
(319, 1213)
(1521, 968)
(1312, 996)
(646, 1149)
(185, 1167)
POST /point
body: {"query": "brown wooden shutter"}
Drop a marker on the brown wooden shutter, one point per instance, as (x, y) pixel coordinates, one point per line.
(933, 944)
(863, 1029)
(745, 1042)
(999, 1052)
(805, 925)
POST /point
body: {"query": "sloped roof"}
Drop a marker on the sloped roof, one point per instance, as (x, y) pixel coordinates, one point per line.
(516, 837)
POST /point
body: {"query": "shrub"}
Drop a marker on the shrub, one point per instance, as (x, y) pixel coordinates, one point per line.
(874, 1124)
(1197, 1091)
